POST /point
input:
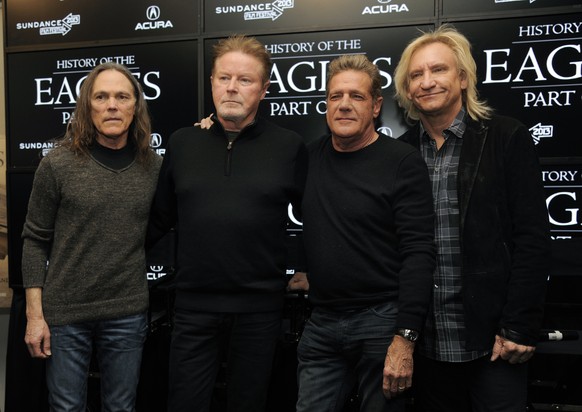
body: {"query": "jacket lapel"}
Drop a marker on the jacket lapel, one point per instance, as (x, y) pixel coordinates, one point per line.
(473, 143)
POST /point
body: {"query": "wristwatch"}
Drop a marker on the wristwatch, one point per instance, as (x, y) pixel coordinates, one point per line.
(408, 334)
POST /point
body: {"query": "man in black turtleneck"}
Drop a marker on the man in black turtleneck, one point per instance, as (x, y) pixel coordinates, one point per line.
(83, 258)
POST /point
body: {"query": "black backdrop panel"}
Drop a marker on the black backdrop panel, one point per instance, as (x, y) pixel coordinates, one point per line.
(253, 16)
(296, 97)
(43, 22)
(563, 184)
(19, 186)
(43, 87)
(531, 69)
(451, 7)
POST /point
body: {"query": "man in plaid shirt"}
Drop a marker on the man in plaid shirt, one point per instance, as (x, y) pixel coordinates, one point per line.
(492, 233)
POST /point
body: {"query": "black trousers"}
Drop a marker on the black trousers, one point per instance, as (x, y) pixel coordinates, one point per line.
(476, 386)
(202, 342)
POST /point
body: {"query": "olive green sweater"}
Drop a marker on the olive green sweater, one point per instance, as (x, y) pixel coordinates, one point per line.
(84, 237)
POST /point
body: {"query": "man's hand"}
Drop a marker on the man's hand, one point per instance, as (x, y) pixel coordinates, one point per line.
(38, 338)
(398, 367)
(511, 351)
(205, 123)
(298, 282)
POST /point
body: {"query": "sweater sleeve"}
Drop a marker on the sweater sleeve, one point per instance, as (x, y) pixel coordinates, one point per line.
(39, 225)
(414, 217)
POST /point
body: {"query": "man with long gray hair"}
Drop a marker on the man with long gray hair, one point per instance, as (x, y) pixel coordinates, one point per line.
(83, 260)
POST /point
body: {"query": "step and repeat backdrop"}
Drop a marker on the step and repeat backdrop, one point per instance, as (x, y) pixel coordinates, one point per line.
(529, 56)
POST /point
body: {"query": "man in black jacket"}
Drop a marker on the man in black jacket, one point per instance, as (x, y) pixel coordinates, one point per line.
(492, 233)
(226, 190)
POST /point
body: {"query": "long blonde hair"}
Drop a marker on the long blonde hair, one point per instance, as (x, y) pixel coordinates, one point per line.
(461, 49)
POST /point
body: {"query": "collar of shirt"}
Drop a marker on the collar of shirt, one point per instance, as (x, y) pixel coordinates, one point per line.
(457, 127)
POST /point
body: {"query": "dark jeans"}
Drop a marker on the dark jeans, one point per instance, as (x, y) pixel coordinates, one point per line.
(199, 343)
(476, 386)
(118, 344)
(340, 350)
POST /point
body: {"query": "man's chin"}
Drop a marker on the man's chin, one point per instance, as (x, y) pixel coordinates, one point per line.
(230, 116)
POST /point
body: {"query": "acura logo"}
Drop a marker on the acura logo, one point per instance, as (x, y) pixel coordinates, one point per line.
(153, 13)
(155, 140)
(385, 130)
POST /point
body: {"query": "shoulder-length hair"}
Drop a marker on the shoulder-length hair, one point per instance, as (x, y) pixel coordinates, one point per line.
(81, 132)
(461, 49)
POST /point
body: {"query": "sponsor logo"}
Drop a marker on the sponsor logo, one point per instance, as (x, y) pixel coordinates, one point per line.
(43, 147)
(258, 11)
(385, 130)
(156, 272)
(385, 8)
(540, 131)
(49, 27)
(153, 14)
(156, 142)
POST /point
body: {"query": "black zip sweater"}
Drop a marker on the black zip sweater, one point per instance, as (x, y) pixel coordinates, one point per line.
(228, 203)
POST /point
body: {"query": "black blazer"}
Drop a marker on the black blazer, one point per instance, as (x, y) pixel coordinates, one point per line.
(504, 229)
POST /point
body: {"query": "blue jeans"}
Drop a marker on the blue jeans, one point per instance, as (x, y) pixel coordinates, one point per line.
(339, 350)
(118, 345)
(200, 342)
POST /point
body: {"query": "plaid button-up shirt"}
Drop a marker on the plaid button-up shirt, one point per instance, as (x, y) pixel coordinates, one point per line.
(444, 333)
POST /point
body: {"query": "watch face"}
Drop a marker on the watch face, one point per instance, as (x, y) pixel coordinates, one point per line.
(408, 334)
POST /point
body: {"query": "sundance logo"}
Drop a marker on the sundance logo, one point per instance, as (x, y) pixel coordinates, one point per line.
(258, 11)
(48, 27)
(540, 131)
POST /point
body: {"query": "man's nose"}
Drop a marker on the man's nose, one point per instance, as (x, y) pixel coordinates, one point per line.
(427, 80)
